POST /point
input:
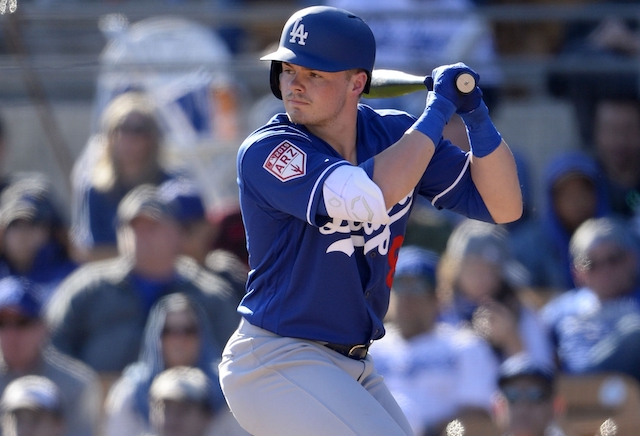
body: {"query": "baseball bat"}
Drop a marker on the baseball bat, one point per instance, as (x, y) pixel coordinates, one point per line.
(394, 83)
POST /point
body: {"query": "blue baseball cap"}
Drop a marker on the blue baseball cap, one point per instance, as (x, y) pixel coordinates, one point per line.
(29, 199)
(144, 200)
(21, 296)
(415, 262)
(184, 198)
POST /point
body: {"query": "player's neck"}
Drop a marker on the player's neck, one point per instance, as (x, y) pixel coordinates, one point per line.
(340, 136)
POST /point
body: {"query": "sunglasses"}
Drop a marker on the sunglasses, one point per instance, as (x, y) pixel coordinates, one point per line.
(612, 259)
(16, 324)
(531, 395)
(180, 331)
(136, 128)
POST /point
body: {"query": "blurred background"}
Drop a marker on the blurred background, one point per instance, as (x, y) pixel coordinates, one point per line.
(62, 60)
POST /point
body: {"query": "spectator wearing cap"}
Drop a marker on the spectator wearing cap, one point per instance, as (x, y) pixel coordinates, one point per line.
(596, 327)
(573, 192)
(35, 239)
(478, 284)
(527, 403)
(125, 153)
(181, 403)
(99, 312)
(200, 233)
(437, 372)
(32, 406)
(25, 350)
(178, 334)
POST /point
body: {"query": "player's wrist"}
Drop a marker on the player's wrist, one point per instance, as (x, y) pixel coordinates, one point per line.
(436, 115)
(484, 138)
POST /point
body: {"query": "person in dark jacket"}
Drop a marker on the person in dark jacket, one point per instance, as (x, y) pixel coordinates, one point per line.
(574, 193)
(99, 313)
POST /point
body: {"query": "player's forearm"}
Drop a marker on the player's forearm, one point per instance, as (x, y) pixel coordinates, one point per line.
(496, 178)
(398, 169)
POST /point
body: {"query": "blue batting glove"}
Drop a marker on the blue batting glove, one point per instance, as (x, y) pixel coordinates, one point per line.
(444, 83)
(483, 136)
(436, 115)
(471, 101)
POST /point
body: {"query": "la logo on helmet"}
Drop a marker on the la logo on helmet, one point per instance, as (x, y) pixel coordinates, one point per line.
(297, 31)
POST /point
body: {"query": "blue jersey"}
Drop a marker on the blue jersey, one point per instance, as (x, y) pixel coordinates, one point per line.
(319, 278)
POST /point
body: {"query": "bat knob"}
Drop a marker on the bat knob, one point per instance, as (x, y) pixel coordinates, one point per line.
(465, 83)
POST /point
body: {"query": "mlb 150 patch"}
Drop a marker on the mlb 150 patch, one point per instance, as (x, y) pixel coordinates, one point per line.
(286, 162)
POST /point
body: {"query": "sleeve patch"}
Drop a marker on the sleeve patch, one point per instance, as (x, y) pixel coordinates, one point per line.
(286, 162)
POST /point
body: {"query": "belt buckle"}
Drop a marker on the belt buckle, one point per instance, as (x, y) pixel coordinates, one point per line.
(358, 351)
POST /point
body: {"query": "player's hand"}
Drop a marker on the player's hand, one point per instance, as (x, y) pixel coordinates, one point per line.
(443, 82)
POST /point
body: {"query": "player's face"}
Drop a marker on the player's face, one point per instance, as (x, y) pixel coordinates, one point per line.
(313, 97)
(26, 422)
(530, 407)
(574, 200)
(174, 418)
(21, 339)
(610, 272)
(180, 339)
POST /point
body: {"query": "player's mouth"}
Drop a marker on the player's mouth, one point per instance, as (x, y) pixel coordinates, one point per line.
(296, 100)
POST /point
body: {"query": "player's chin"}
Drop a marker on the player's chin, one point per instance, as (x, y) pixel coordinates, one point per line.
(297, 116)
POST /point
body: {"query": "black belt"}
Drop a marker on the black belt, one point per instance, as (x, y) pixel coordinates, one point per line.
(356, 352)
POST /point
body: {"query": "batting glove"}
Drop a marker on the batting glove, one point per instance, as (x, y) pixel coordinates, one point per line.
(483, 135)
(443, 82)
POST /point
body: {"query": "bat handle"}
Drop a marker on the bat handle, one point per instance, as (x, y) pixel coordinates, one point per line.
(465, 83)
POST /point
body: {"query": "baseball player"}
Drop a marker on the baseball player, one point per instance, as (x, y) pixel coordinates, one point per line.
(326, 190)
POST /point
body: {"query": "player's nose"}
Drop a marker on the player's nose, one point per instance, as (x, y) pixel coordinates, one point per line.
(293, 82)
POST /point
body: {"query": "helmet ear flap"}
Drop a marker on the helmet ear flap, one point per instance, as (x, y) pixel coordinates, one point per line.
(367, 85)
(274, 78)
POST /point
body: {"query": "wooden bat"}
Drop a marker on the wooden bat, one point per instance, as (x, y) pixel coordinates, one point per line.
(394, 83)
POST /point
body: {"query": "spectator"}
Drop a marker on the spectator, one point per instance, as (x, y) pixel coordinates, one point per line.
(24, 342)
(98, 313)
(436, 372)
(478, 282)
(125, 154)
(181, 403)
(527, 403)
(177, 334)
(35, 241)
(596, 327)
(200, 233)
(32, 406)
(574, 192)
(616, 129)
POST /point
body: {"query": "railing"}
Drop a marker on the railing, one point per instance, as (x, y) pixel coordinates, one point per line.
(61, 44)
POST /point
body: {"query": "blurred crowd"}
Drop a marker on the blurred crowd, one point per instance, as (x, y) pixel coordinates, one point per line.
(113, 313)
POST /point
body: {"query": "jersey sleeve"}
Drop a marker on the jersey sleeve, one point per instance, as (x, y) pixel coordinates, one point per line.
(284, 176)
(447, 183)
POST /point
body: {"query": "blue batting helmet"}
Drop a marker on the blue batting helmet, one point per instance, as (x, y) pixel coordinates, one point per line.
(323, 38)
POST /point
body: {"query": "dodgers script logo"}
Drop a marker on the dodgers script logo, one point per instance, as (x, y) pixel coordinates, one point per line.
(286, 162)
(297, 31)
(366, 235)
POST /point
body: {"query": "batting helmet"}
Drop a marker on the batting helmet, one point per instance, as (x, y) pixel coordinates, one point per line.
(323, 38)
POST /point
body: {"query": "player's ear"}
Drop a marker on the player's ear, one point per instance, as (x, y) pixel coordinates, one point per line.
(358, 81)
